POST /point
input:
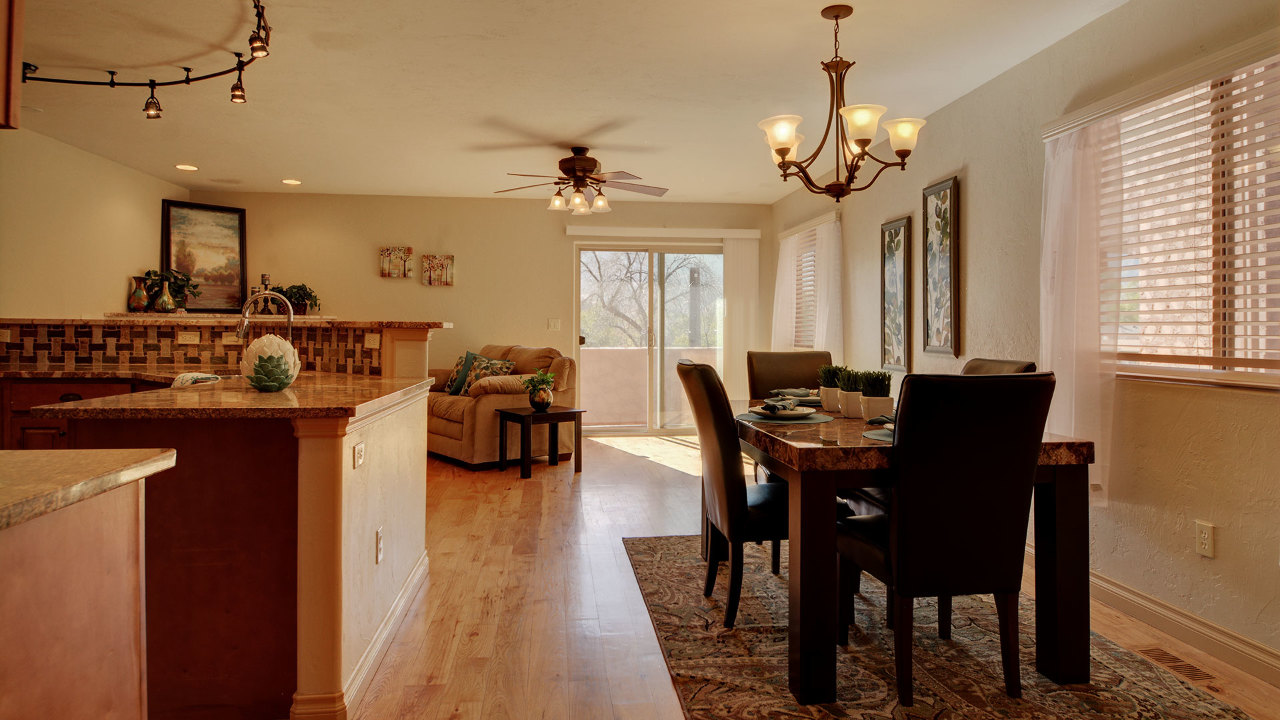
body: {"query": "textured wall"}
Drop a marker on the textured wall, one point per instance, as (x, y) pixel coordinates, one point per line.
(1181, 453)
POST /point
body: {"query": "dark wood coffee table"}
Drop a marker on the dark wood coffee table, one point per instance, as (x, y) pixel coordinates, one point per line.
(527, 418)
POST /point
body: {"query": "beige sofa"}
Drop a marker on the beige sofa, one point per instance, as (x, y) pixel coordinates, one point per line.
(465, 427)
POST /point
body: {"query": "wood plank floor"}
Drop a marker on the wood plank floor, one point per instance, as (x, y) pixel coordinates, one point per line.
(531, 609)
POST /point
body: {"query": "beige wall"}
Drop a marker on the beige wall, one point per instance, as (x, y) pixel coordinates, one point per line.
(513, 264)
(1182, 453)
(74, 227)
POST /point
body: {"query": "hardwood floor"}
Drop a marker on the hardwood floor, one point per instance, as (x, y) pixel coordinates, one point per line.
(530, 609)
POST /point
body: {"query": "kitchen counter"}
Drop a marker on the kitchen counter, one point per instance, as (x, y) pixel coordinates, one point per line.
(229, 319)
(312, 395)
(37, 482)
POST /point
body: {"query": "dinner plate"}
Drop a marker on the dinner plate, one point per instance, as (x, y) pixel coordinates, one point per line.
(796, 413)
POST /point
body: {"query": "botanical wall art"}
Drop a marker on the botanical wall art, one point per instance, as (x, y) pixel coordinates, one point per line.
(942, 267)
(396, 261)
(207, 243)
(895, 294)
(437, 269)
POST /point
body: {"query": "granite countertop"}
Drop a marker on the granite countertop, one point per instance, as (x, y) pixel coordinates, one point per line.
(153, 373)
(839, 445)
(218, 319)
(312, 395)
(38, 482)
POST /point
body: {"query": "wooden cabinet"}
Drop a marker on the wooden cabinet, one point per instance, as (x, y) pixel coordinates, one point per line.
(23, 432)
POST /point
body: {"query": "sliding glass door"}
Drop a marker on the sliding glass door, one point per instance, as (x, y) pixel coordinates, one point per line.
(640, 309)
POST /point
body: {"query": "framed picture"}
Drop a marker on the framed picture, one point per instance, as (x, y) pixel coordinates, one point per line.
(395, 261)
(895, 294)
(942, 267)
(207, 243)
(437, 269)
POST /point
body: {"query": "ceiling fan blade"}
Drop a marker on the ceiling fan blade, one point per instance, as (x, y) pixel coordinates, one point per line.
(632, 187)
(615, 175)
(553, 177)
(523, 187)
(589, 194)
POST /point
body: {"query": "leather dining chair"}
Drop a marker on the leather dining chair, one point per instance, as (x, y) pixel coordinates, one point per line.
(737, 513)
(957, 523)
(767, 371)
(987, 366)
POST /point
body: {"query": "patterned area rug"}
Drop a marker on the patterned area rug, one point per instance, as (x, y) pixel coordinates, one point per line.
(742, 673)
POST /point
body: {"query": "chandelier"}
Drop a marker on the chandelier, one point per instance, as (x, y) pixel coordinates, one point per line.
(852, 137)
(259, 42)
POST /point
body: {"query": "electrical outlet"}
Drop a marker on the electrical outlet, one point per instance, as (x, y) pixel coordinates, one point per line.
(553, 323)
(1204, 538)
(4, 335)
(357, 455)
(378, 558)
(188, 337)
(372, 341)
(230, 338)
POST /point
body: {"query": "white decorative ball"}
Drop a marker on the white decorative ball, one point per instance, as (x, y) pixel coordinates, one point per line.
(266, 346)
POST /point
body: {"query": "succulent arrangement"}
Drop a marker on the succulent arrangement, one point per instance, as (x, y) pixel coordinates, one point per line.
(270, 363)
(829, 376)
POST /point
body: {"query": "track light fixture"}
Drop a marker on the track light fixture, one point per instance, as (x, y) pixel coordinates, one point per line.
(259, 42)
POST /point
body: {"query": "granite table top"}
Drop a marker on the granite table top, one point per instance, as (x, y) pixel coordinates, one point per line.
(839, 445)
(38, 482)
(312, 395)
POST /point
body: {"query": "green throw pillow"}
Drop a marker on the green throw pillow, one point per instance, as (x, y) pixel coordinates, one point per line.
(459, 375)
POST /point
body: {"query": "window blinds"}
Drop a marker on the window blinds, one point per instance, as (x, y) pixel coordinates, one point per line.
(806, 290)
(1190, 228)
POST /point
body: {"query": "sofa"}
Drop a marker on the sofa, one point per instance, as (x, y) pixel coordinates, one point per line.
(465, 427)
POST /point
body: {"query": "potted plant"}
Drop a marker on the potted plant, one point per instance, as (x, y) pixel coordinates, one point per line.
(851, 393)
(539, 387)
(300, 297)
(179, 287)
(875, 393)
(829, 387)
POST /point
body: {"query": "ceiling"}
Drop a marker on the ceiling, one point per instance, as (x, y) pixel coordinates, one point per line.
(429, 98)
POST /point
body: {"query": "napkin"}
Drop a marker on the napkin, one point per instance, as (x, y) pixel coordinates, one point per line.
(880, 420)
(777, 405)
(792, 392)
(193, 378)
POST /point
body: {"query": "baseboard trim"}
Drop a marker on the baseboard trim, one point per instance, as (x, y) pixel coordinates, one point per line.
(1228, 646)
(329, 706)
(362, 674)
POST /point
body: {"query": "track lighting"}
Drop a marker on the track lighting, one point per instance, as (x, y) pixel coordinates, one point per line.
(237, 89)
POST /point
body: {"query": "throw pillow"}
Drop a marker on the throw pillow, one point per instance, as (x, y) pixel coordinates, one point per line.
(459, 375)
(484, 367)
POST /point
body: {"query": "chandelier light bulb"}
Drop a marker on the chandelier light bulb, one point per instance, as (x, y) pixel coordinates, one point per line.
(863, 122)
(578, 201)
(601, 203)
(780, 133)
(557, 202)
(903, 134)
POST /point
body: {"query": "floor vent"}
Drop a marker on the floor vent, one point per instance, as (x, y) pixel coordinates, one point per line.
(1176, 664)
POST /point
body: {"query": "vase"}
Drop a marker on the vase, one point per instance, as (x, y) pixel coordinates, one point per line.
(540, 399)
(876, 406)
(164, 301)
(851, 404)
(138, 295)
(299, 308)
(830, 397)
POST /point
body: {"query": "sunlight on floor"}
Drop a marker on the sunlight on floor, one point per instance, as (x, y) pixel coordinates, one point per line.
(678, 452)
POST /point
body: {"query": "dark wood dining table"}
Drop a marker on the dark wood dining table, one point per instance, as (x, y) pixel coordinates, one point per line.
(818, 459)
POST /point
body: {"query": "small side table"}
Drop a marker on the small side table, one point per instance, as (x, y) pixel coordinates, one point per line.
(527, 417)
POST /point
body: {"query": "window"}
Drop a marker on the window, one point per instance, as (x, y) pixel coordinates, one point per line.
(806, 290)
(1190, 234)
(807, 294)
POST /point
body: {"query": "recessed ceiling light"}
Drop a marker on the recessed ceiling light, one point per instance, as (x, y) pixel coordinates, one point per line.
(188, 168)
(291, 181)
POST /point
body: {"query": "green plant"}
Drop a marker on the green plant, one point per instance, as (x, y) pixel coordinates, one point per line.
(850, 380)
(876, 383)
(180, 286)
(829, 376)
(299, 295)
(540, 379)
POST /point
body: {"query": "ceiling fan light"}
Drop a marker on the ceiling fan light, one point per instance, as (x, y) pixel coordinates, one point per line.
(600, 204)
(578, 201)
(557, 202)
(863, 121)
(584, 210)
(903, 133)
(780, 133)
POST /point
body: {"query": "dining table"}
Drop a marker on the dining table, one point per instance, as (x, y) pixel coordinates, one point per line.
(819, 459)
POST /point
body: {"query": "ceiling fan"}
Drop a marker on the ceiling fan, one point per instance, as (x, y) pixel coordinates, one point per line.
(581, 172)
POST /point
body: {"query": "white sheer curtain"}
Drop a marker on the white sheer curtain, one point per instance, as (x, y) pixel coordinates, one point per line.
(784, 295)
(1071, 343)
(829, 333)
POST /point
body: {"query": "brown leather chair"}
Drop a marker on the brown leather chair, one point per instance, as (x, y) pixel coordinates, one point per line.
(957, 523)
(987, 366)
(737, 513)
(768, 371)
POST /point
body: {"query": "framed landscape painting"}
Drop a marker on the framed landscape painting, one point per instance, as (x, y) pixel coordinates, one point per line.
(895, 294)
(207, 243)
(437, 269)
(942, 267)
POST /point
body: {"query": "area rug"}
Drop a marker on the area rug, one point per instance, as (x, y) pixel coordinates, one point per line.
(742, 673)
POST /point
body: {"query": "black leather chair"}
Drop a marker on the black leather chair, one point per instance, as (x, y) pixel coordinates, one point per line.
(767, 371)
(957, 523)
(737, 513)
(987, 366)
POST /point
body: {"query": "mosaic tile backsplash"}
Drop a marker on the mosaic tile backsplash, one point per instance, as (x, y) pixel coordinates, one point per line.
(104, 345)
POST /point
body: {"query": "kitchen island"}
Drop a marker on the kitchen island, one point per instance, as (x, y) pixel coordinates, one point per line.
(283, 546)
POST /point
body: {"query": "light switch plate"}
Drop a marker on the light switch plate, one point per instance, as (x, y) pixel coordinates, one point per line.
(357, 455)
(553, 323)
(372, 341)
(230, 338)
(188, 337)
